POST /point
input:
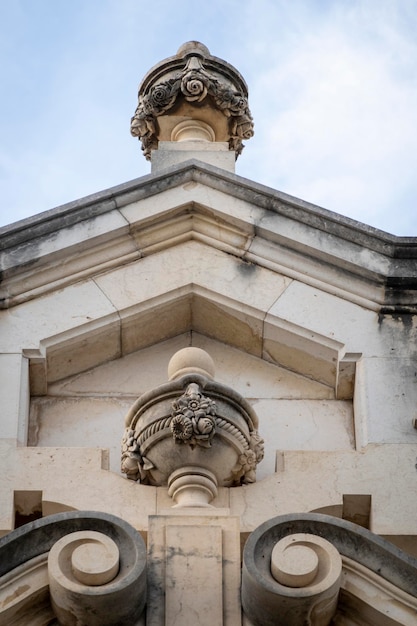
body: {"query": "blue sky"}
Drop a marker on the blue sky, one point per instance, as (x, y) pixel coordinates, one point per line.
(332, 89)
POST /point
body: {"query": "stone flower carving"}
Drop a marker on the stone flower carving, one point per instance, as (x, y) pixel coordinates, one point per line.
(163, 95)
(134, 465)
(244, 471)
(229, 101)
(194, 86)
(194, 83)
(193, 418)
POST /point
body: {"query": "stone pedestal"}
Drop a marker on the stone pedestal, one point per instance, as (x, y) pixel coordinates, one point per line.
(193, 568)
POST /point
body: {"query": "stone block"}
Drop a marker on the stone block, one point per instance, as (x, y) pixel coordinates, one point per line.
(27, 324)
(14, 397)
(193, 576)
(208, 199)
(72, 422)
(386, 412)
(180, 548)
(256, 378)
(302, 425)
(170, 153)
(130, 375)
(310, 480)
(332, 317)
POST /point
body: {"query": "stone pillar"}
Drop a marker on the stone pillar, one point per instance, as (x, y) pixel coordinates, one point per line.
(14, 397)
(193, 568)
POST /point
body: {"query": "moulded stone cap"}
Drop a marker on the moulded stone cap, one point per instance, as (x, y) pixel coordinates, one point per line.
(193, 47)
(191, 361)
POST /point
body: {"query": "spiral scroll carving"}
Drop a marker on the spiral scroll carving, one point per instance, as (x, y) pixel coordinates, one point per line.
(296, 582)
(91, 582)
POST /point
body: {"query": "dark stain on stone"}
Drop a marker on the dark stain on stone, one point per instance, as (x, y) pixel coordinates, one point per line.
(246, 267)
(402, 315)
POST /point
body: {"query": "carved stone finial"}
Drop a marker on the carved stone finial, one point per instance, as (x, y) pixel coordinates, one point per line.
(191, 433)
(192, 85)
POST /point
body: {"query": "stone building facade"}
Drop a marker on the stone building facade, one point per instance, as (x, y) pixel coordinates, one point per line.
(248, 359)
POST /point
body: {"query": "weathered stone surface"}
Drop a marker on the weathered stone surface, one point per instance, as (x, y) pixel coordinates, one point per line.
(14, 397)
(309, 480)
(267, 601)
(82, 595)
(191, 433)
(308, 571)
(309, 316)
(194, 558)
(331, 238)
(196, 86)
(170, 153)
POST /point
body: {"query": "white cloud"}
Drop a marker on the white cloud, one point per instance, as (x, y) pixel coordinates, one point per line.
(332, 90)
(338, 118)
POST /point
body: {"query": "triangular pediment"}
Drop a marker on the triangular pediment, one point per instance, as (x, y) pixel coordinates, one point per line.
(215, 364)
(189, 287)
(192, 249)
(88, 409)
(196, 201)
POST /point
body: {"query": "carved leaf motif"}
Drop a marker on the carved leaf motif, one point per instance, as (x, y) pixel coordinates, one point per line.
(133, 464)
(244, 471)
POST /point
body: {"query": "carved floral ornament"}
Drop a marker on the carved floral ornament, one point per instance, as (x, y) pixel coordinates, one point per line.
(191, 421)
(197, 84)
(193, 418)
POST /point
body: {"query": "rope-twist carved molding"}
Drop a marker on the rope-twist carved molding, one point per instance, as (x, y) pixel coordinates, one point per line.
(191, 421)
(136, 466)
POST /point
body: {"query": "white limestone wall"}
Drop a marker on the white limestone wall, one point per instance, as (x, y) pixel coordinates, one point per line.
(88, 409)
(85, 344)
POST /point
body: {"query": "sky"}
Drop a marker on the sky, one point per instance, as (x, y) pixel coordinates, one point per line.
(332, 90)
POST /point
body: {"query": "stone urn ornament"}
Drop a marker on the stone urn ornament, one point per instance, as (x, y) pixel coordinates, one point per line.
(191, 434)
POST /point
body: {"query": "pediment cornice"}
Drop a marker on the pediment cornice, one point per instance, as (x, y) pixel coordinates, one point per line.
(228, 212)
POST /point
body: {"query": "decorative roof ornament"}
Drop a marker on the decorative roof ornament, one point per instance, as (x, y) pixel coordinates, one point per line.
(191, 434)
(192, 85)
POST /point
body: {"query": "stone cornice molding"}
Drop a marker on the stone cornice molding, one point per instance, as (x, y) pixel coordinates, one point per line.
(360, 584)
(196, 77)
(260, 195)
(29, 256)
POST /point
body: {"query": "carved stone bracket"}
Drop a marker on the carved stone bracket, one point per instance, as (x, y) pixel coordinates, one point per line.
(192, 76)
